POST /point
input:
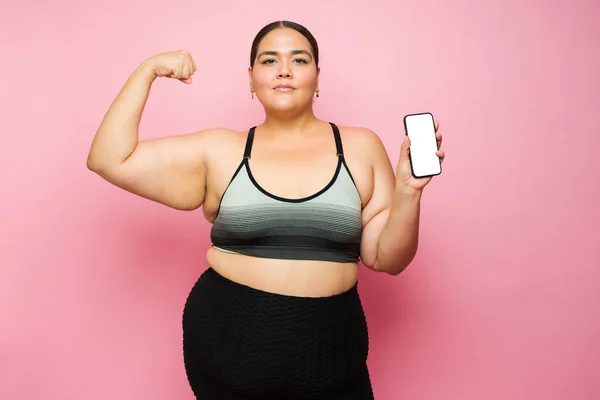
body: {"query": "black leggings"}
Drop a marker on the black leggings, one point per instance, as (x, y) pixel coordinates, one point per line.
(244, 343)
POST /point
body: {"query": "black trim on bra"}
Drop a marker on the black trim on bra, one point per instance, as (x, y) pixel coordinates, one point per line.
(248, 152)
(288, 200)
(237, 171)
(340, 155)
(338, 140)
(349, 173)
(340, 151)
(336, 134)
(249, 141)
(294, 253)
(293, 241)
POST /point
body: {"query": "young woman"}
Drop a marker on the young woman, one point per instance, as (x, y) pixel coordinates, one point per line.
(295, 203)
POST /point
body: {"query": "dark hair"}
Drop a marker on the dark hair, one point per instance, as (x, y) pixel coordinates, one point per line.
(284, 24)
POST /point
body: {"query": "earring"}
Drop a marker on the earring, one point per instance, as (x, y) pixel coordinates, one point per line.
(317, 92)
(252, 91)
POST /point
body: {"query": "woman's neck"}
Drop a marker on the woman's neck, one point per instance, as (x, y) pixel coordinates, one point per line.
(290, 124)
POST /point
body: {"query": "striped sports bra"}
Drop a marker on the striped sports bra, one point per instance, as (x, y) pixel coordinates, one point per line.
(325, 226)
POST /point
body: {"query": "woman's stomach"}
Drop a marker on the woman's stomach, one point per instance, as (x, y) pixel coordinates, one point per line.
(301, 278)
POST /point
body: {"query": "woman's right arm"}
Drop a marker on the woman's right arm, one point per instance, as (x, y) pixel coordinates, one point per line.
(168, 170)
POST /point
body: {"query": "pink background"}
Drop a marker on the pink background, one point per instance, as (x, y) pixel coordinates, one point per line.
(503, 299)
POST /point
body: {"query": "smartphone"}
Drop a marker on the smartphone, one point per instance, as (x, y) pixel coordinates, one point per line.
(420, 129)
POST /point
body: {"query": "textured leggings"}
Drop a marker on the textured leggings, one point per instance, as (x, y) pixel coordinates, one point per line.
(243, 343)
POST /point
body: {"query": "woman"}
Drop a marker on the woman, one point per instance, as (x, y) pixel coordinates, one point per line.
(295, 203)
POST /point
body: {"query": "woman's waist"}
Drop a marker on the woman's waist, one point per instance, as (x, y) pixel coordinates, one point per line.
(301, 278)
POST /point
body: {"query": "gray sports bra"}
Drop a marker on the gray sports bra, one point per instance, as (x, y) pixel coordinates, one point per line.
(325, 226)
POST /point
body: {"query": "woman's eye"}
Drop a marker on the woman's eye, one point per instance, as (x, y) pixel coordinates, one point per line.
(297, 60)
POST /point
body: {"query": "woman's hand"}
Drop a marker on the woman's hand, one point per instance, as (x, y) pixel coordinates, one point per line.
(174, 64)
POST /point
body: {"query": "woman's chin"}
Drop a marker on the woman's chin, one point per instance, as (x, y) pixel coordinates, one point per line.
(282, 106)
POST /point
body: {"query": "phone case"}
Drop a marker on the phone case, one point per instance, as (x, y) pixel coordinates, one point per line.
(409, 156)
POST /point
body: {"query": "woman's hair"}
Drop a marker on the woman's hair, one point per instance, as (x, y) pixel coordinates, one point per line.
(284, 24)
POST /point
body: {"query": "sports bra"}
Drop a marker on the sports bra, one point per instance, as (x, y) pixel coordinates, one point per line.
(325, 226)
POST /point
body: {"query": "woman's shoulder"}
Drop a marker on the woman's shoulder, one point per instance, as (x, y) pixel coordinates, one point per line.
(216, 134)
(218, 144)
(217, 138)
(360, 140)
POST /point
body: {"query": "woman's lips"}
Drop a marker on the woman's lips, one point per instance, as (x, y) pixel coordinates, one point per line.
(283, 88)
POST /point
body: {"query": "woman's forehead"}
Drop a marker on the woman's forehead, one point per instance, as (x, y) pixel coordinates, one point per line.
(284, 40)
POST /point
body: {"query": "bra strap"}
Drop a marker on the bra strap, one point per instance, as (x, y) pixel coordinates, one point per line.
(336, 135)
(249, 141)
(338, 140)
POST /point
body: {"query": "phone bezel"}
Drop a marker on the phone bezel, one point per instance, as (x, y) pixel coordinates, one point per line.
(409, 156)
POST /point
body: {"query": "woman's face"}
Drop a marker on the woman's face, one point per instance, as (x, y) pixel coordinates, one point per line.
(284, 76)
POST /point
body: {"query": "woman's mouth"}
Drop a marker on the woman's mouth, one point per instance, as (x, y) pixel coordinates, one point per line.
(283, 88)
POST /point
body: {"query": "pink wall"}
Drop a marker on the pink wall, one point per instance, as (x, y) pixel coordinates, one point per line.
(503, 299)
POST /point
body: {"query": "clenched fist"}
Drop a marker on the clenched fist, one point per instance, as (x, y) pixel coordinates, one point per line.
(174, 64)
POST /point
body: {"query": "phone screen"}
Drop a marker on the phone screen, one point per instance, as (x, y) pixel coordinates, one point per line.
(420, 129)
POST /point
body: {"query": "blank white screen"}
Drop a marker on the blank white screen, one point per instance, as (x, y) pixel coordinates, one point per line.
(423, 145)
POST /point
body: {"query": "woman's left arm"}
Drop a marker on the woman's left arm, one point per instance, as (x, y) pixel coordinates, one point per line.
(391, 217)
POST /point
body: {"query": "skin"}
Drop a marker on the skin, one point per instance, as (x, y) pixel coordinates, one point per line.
(192, 170)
